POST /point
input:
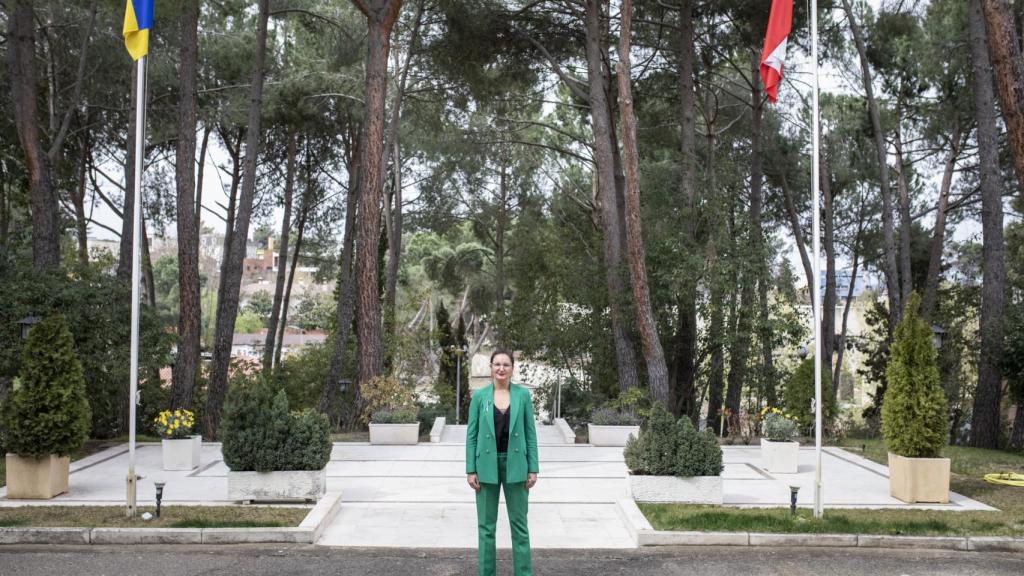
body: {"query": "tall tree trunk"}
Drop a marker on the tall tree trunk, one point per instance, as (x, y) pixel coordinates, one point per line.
(931, 283)
(654, 355)
(227, 301)
(282, 258)
(124, 255)
(186, 364)
(599, 82)
(906, 275)
(380, 18)
(346, 301)
(837, 371)
(684, 363)
(148, 284)
(829, 296)
(299, 235)
(1004, 45)
(199, 185)
(78, 199)
(21, 54)
(763, 276)
(985, 418)
(499, 242)
(888, 233)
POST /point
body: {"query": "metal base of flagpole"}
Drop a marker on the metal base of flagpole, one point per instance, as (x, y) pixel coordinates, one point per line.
(132, 510)
(819, 500)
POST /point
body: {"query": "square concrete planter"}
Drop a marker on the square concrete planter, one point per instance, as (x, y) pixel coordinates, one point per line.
(600, 435)
(181, 453)
(394, 433)
(919, 479)
(277, 486)
(780, 457)
(37, 478)
(674, 489)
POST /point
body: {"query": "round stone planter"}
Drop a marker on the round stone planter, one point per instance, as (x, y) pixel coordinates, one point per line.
(674, 489)
(600, 435)
(394, 433)
(181, 453)
(780, 457)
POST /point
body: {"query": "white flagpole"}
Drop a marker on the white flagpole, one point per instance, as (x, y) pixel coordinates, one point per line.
(816, 293)
(140, 135)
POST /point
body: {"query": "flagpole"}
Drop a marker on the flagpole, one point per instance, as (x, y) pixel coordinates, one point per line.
(140, 134)
(816, 292)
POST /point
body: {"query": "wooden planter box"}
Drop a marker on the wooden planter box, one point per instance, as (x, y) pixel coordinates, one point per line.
(780, 457)
(285, 485)
(674, 489)
(600, 435)
(37, 478)
(181, 454)
(919, 479)
(394, 433)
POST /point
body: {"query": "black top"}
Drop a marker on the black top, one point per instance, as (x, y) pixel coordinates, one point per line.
(501, 428)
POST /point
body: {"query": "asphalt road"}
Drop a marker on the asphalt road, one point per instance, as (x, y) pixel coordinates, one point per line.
(251, 560)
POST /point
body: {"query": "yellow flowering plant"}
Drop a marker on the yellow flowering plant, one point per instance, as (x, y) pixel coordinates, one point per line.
(174, 424)
(779, 426)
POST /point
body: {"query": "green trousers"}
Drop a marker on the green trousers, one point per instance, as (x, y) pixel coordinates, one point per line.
(517, 504)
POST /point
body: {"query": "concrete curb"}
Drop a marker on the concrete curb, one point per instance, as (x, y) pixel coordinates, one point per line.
(644, 535)
(308, 532)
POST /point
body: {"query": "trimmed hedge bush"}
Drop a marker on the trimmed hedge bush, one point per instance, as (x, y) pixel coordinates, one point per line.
(915, 420)
(395, 416)
(47, 412)
(259, 434)
(800, 392)
(666, 447)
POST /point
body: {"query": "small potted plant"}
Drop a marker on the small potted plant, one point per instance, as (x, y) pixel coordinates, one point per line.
(915, 420)
(180, 448)
(395, 426)
(779, 452)
(390, 411)
(46, 416)
(610, 427)
(671, 461)
(273, 454)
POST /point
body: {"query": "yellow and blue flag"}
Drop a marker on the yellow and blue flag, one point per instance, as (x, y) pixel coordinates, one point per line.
(138, 19)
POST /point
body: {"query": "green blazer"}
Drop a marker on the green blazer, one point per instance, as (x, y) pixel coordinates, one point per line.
(482, 446)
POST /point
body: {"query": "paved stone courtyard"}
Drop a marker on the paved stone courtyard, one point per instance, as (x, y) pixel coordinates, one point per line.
(416, 496)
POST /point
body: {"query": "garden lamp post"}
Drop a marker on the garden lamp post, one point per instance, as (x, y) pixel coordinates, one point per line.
(26, 325)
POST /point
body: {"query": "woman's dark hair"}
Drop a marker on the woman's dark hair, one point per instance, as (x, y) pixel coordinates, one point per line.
(500, 351)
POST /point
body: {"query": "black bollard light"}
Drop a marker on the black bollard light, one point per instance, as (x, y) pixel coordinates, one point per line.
(159, 495)
(792, 499)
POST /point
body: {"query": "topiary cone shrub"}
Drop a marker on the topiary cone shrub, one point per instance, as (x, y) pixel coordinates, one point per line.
(800, 392)
(47, 412)
(259, 434)
(914, 414)
(666, 447)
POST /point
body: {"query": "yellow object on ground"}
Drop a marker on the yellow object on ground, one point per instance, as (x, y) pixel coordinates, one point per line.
(1005, 478)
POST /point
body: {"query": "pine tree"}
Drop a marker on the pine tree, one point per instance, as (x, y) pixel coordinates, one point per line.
(914, 415)
(48, 411)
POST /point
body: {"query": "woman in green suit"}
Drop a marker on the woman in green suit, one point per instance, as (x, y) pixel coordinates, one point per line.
(501, 450)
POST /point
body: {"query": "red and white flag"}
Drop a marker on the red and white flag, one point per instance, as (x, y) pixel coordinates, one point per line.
(780, 22)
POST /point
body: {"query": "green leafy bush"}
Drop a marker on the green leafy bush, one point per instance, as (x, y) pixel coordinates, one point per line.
(778, 426)
(914, 414)
(612, 417)
(47, 412)
(666, 447)
(259, 433)
(395, 416)
(799, 394)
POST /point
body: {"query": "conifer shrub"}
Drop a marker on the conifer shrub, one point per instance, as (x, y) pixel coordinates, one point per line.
(259, 434)
(799, 394)
(914, 414)
(666, 447)
(47, 412)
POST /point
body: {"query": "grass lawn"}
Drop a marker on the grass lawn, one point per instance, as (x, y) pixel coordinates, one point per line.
(170, 517)
(969, 465)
